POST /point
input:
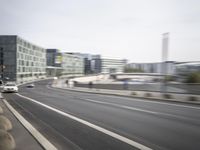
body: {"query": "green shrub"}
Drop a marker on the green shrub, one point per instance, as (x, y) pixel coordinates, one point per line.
(193, 77)
(169, 78)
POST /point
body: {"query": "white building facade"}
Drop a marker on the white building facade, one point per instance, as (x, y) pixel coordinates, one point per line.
(109, 65)
(157, 67)
(72, 64)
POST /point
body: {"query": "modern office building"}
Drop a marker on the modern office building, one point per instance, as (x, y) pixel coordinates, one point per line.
(61, 63)
(109, 65)
(90, 63)
(158, 67)
(72, 64)
(54, 61)
(184, 68)
(21, 60)
(95, 64)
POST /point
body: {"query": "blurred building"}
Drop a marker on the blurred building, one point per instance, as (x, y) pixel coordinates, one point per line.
(109, 65)
(21, 60)
(91, 63)
(154, 67)
(54, 61)
(61, 63)
(72, 64)
(184, 68)
(95, 64)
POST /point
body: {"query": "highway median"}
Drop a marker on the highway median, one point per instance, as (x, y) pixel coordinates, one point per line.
(167, 96)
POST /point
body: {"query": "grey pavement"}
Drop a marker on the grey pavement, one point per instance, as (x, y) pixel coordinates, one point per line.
(158, 125)
(24, 140)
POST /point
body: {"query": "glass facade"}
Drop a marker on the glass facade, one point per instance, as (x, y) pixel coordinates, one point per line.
(72, 64)
(60, 63)
(23, 60)
(112, 65)
(31, 61)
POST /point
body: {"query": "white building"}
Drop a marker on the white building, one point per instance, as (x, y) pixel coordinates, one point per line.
(72, 64)
(109, 65)
(159, 67)
(62, 63)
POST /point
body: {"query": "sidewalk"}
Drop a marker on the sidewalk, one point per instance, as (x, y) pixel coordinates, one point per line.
(173, 97)
(23, 139)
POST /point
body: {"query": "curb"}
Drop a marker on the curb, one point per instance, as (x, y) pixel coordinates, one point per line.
(35, 133)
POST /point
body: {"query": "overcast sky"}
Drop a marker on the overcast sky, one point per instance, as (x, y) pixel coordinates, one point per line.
(130, 29)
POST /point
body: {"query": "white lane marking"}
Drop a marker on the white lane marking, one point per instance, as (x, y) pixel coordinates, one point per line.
(98, 128)
(133, 99)
(38, 136)
(129, 108)
(136, 109)
(121, 106)
(156, 102)
(132, 108)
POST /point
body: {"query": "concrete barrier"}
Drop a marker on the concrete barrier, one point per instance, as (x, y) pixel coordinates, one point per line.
(6, 141)
(93, 78)
(1, 110)
(5, 123)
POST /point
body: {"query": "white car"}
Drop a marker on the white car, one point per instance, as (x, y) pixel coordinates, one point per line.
(10, 87)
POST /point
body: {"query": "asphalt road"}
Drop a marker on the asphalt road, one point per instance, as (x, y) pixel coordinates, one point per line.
(157, 125)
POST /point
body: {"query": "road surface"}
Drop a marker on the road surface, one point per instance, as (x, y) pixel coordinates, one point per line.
(153, 124)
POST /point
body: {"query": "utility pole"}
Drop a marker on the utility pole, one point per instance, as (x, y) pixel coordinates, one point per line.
(165, 47)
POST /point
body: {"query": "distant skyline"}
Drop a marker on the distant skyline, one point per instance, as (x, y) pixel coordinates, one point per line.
(126, 29)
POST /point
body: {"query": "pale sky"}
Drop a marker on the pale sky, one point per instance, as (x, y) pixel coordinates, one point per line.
(127, 29)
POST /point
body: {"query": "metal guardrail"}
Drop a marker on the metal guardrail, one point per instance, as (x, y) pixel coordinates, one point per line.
(170, 88)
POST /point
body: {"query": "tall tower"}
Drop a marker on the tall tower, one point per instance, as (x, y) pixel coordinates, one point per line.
(165, 46)
(164, 69)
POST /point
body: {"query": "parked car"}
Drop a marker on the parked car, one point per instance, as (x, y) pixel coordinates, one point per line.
(10, 87)
(32, 85)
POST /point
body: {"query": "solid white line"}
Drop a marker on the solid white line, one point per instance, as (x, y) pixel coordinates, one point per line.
(98, 128)
(38, 136)
(131, 108)
(136, 109)
(164, 103)
(131, 99)
(122, 106)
